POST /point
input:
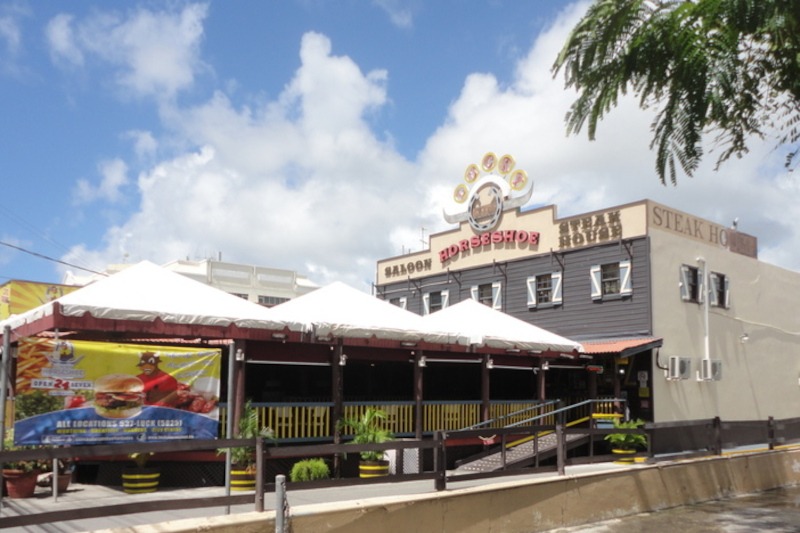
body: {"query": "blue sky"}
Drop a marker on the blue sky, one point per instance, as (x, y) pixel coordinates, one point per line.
(313, 135)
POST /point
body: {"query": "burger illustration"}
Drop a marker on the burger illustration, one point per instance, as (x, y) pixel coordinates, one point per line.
(118, 396)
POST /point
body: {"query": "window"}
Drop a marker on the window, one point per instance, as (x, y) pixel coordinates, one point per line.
(240, 295)
(544, 290)
(718, 294)
(487, 294)
(402, 303)
(611, 280)
(691, 284)
(434, 301)
(269, 301)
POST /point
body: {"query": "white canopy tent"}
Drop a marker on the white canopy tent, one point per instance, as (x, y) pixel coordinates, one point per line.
(145, 292)
(340, 311)
(494, 329)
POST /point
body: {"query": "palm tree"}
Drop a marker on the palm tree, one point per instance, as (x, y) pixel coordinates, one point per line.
(729, 67)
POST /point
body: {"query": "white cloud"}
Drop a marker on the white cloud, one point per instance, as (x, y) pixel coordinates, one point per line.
(11, 38)
(114, 178)
(302, 182)
(155, 53)
(400, 12)
(145, 144)
(61, 39)
(10, 34)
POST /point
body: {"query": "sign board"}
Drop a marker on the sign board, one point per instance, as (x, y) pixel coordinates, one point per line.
(81, 392)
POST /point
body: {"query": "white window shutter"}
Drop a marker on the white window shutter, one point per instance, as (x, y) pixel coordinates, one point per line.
(473, 292)
(713, 294)
(445, 299)
(626, 283)
(497, 295)
(701, 285)
(684, 284)
(556, 296)
(426, 304)
(726, 288)
(597, 290)
(531, 283)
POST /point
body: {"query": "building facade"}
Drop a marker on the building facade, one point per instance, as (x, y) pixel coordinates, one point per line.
(677, 312)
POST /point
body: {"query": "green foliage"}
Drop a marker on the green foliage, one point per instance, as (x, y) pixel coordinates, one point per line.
(140, 458)
(727, 66)
(249, 428)
(627, 441)
(368, 429)
(23, 465)
(309, 470)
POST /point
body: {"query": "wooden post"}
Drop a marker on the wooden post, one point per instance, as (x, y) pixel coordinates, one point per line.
(485, 388)
(717, 429)
(418, 395)
(771, 432)
(440, 461)
(337, 388)
(238, 387)
(560, 449)
(542, 392)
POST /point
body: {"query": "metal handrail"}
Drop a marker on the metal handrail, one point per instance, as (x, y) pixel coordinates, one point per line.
(515, 413)
(564, 410)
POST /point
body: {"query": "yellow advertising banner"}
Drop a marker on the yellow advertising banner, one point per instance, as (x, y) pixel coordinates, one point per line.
(19, 296)
(82, 392)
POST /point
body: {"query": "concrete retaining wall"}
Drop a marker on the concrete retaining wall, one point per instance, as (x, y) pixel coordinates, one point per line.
(527, 506)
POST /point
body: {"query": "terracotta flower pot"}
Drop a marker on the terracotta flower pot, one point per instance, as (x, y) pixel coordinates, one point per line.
(19, 483)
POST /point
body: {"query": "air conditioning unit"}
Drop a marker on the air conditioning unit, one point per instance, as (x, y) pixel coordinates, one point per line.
(679, 367)
(710, 370)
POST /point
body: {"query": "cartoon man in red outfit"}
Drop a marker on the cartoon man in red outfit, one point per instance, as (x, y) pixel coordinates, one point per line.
(160, 388)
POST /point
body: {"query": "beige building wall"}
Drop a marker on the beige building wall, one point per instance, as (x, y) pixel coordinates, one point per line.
(760, 374)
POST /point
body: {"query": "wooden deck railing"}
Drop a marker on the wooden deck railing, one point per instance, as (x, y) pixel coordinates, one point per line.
(311, 421)
(296, 422)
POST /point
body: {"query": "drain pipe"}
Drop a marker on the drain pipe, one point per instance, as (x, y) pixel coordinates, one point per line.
(705, 296)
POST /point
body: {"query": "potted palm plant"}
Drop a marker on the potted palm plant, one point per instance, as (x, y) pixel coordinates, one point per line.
(243, 458)
(368, 429)
(627, 443)
(139, 478)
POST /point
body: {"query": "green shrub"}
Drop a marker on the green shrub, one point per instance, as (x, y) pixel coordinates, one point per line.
(309, 470)
(627, 441)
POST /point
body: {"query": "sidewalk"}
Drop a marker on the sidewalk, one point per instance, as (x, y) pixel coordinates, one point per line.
(80, 495)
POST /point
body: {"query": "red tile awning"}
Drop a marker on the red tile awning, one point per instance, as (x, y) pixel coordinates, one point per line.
(621, 346)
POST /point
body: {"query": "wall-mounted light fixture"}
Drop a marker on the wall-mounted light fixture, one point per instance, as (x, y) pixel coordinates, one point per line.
(239, 355)
(422, 363)
(343, 360)
(744, 337)
(489, 363)
(546, 365)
